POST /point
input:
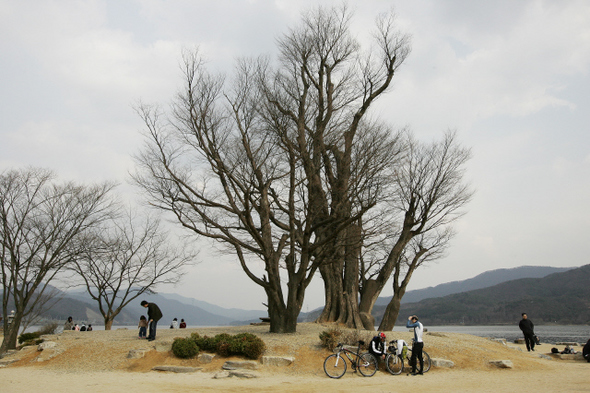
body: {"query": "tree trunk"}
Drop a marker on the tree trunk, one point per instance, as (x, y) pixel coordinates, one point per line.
(11, 335)
(108, 323)
(283, 319)
(391, 312)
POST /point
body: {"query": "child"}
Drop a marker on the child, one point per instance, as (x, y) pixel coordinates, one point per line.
(142, 326)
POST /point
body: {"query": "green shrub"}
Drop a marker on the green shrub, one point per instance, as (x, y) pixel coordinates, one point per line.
(28, 337)
(206, 343)
(184, 348)
(242, 344)
(253, 348)
(223, 349)
(330, 338)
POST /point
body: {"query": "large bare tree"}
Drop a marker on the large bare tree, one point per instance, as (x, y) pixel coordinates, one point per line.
(41, 222)
(126, 257)
(264, 165)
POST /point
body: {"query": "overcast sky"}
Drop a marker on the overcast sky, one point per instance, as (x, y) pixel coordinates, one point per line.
(511, 77)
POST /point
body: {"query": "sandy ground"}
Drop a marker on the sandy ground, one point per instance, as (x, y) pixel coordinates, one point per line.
(97, 362)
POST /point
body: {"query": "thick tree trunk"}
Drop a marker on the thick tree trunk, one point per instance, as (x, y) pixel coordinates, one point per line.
(11, 335)
(391, 312)
(108, 323)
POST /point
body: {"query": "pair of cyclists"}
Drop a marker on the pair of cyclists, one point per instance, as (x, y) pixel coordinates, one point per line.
(378, 349)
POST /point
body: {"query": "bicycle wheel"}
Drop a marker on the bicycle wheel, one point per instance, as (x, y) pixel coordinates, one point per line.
(427, 361)
(394, 363)
(335, 366)
(367, 364)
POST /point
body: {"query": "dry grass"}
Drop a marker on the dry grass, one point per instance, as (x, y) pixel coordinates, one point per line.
(107, 350)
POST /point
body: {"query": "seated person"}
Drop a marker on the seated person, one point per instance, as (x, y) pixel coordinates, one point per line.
(377, 346)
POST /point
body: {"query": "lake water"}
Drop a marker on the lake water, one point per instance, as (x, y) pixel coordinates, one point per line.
(547, 333)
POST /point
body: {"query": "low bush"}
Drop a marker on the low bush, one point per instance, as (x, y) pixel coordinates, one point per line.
(243, 344)
(28, 337)
(185, 348)
(330, 338)
(253, 348)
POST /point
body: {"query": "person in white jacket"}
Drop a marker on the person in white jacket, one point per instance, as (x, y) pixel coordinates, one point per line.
(418, 344)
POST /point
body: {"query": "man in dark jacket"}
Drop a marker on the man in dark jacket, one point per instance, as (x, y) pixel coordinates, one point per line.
(528, 329)
(586, 351)
(154, 315)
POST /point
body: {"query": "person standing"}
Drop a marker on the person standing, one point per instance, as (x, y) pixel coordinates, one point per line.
(69, 325)
(528, 330)
(418, 344)
(142, 325)
(154, 315)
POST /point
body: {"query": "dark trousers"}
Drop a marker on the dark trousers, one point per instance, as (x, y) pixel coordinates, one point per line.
(142, 331)
(417, 353)
(152, 330)
(529, 340)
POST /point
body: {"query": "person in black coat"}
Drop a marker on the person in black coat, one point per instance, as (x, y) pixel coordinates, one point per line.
(528, 329)
(154, 315)
(586, 351)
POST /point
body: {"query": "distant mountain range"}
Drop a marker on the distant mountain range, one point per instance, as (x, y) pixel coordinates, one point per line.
(483, 280)
(559, 298)
(551, 295)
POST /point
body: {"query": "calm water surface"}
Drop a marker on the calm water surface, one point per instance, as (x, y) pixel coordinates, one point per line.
(548, 334)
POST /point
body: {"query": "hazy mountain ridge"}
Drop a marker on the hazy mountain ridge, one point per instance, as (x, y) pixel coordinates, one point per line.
(488, 304)
(560, 298)
(483, 280)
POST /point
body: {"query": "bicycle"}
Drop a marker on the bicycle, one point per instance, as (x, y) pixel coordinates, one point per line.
(395, 363)
(335, 364)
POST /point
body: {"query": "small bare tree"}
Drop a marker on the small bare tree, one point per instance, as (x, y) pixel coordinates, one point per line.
(426, 195)
(40, 224)
(126, 257)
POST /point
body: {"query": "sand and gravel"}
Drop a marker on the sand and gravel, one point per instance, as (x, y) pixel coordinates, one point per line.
(97, 362)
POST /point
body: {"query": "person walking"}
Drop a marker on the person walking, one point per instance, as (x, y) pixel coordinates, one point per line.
(528, 330)
(154, 315)
(417, 345)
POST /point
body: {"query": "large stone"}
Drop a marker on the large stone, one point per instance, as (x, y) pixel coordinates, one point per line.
(280, 361)
(46, 345)
(136, 354)
(222, 374)
(515, 348)
(176, 369)
(240, 364)
(242, 374)
(502, 363)
(570, 343)
(205, 358)
(436, 362)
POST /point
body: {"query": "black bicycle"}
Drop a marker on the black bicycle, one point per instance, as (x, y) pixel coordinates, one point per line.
(335, 364)
(395, 363)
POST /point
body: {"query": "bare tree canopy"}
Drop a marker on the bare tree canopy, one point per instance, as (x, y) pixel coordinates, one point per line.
(41, 222)
(126, 257)
(262, 164)
(426, 195)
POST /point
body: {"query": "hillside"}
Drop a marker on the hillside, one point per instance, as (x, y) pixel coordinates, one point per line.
(483, 280)
(562, 298)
